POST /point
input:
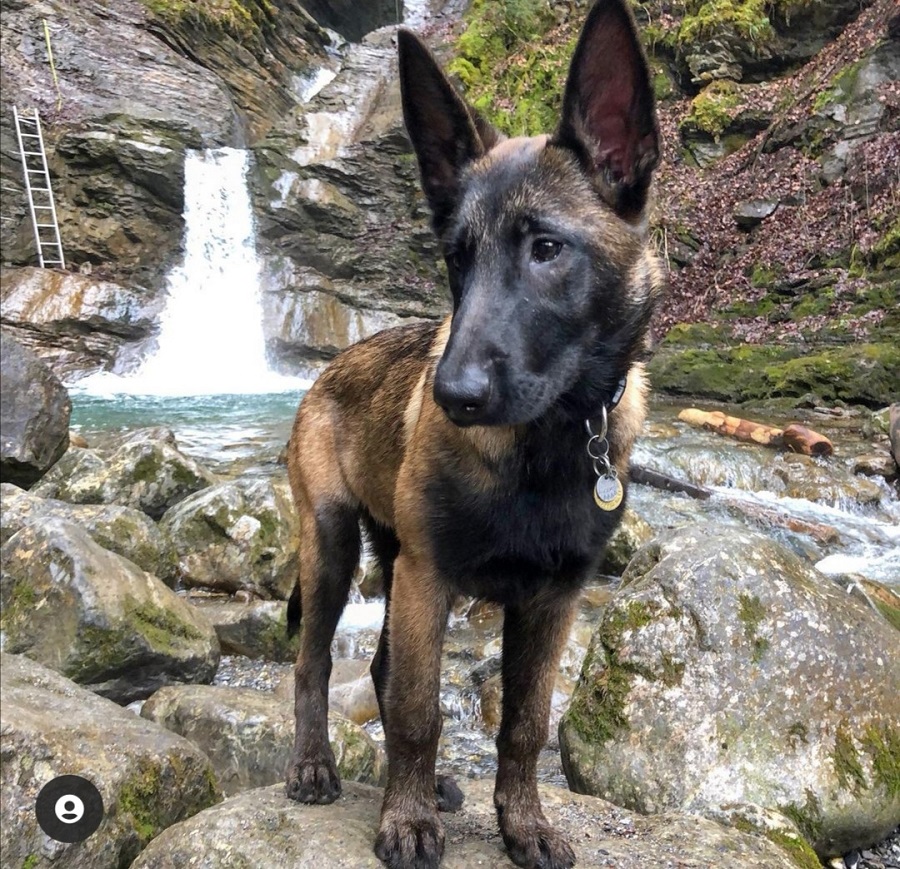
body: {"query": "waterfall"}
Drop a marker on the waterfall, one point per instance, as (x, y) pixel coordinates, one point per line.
(211, 335)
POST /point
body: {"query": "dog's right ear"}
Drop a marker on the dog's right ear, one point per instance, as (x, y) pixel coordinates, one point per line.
(446, 134)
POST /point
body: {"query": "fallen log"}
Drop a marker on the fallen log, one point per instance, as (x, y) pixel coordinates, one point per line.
(658, 480)
(796, 438)
(772, 516)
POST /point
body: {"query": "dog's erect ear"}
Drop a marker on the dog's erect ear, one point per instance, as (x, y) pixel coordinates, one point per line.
(609, 116)
(446, 133)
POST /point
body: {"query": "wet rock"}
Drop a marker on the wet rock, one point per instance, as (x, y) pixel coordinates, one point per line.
(257, 629)
(726, 671)
(248, 735)
(894, 433)
(123, 530)
(147, 472)
(630, 536)
(875, 465)
(79, 324)
(96, 617)
(250, 828)
(35, 415)
(752, 212)
(148, 777)
(241, 534)
(351, 692)
(350, 19)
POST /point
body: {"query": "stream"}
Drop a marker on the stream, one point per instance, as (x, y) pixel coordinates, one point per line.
(817, 507)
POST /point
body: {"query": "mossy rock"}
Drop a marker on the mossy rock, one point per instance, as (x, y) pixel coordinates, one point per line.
(674, 712)
(96, 617)
(864, 374)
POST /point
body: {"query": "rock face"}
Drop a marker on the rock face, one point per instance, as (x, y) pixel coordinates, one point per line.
(257, 629)
(35, 415)
(148, 777)
(123, 530)
(263, 828)
(78, 323)
(728, 672)
(248, 735)
(96, 617)
(237, 535)
(147, 472)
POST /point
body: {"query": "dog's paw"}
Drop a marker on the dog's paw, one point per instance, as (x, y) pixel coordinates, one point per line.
(449, 796)
(313, 780)
(536, 845)
(405, 842)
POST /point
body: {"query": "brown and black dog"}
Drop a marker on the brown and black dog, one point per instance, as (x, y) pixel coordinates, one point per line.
(461, 447)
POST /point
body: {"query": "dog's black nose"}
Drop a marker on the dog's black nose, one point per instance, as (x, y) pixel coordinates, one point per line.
(464, 395)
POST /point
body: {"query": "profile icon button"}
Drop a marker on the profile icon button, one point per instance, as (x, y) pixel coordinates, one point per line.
(69, 808)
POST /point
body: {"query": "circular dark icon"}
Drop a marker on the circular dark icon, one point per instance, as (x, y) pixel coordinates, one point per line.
(69, 808)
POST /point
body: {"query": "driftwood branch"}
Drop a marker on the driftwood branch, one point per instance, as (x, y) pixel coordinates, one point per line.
(796, 438)
(648, 477)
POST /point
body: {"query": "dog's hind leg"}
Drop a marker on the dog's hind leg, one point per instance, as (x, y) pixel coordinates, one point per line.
(534, 635)
(329, 554)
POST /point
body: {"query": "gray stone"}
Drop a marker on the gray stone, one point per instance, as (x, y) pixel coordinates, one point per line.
(147, 472)
(631, 535)
(79, 324)
(248, 735)
(726, 671)
(243, 534)
(34, 415)
(351, 692)
(752, 212)
(263, 828)
(148, 777)
(256, 629)
(96, 617)
(123, 530)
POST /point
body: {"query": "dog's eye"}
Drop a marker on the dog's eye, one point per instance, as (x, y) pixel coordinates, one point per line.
(545, 249)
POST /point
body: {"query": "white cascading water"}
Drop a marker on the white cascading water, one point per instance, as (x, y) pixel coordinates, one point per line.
(211, 338)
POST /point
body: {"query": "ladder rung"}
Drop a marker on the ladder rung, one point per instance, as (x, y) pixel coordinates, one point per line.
(43, 208)
(40, 189)
(33, 153)
(31, 135)
(37, 171)
(45, 225)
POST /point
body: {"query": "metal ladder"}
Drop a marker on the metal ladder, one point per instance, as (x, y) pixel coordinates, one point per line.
(37, 186)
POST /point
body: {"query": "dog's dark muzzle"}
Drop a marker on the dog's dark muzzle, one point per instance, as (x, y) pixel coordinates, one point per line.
(464, 391)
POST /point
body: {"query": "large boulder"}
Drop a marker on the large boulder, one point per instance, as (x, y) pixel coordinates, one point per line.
(726, 672)
(264, 828)
(147, 471)
(248, 735)
(34, 415)
(351, 691)
(96, 617)
(148, 777)
(123, 530)
(237, 535)
(78, 323)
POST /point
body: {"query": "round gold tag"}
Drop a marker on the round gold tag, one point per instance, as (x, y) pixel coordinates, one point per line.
(608, 493)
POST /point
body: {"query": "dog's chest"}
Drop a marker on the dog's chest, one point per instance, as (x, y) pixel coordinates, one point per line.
(539, 524)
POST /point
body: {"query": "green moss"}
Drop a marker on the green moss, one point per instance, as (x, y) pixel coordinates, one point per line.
(751, 612)
(886, 252)
(747, 18)
(807, 817)
(798, 849)
(766, 275)
(245, 20)
(161, 628)
(714, 108)
(146, 469)
(30, 861)
(512, 59)
(22, 598)
(799, 731)
(858, 374)
(140, 798)
(597, 710)
(846, 763)
(882, 743)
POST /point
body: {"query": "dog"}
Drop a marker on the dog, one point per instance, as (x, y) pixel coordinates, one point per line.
(486, 455)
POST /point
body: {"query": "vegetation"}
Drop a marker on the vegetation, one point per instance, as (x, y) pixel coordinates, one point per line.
(242, 19)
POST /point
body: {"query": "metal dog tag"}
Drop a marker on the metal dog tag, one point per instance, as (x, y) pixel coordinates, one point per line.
(608, 492)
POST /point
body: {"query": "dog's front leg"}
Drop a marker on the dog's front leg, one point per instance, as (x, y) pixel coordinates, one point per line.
(534, 635)
(411, 834)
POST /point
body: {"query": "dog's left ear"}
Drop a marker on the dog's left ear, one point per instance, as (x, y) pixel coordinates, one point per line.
(445, 132)
(609, 115)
